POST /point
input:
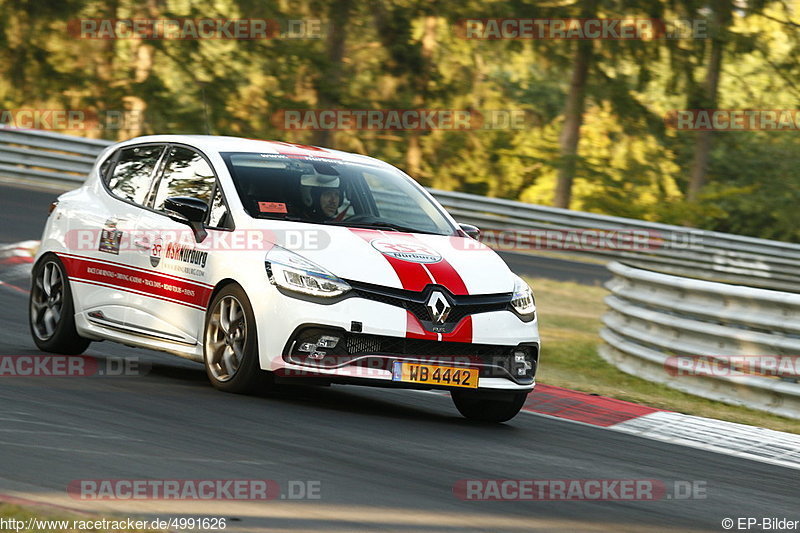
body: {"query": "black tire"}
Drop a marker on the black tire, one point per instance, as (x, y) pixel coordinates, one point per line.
(56, 334)
(247, 376)
(488, 406)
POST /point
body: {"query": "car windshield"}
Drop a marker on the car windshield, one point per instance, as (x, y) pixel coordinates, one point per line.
(328, 191)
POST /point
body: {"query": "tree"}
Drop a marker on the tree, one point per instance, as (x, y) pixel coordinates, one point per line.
(573, 111)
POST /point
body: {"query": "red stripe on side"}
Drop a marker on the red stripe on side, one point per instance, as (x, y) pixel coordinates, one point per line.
(86, 282)
(583, 407)
(150, 284)
(412, 276)
(62, 255)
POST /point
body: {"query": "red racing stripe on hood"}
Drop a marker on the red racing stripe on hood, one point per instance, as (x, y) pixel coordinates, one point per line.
(416, 276)
(462, 332)
(444, 274)
(413, 276)
(414, 329)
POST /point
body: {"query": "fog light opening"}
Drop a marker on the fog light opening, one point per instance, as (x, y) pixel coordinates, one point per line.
(315, 350)
(522, 363)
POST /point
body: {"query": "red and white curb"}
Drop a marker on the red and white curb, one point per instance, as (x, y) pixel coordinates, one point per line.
(15, 262)
(21, 252)
(729, 438)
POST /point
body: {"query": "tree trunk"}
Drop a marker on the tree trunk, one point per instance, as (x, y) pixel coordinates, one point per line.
(702, 144)
(573, 114)
(420, 83)
(328, 84)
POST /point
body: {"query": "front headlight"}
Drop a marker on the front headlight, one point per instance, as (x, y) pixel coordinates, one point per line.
(523, 301)
(293, 272)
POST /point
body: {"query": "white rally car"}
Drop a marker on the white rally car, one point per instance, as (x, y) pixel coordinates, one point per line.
(269, 261)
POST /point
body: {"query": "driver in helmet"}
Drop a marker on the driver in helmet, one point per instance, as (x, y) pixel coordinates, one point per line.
(321, 196)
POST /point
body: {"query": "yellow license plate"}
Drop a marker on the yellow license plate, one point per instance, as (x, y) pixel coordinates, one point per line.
(435, 375)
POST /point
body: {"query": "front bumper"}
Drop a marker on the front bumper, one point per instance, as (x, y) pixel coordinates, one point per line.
(372, 335)
(317, 347)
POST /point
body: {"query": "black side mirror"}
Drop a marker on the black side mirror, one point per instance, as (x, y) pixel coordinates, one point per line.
(191, 211)
(470, 230)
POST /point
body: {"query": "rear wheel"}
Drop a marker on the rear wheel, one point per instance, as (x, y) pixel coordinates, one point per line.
(231, 343)
(51, 312)
(489, 406)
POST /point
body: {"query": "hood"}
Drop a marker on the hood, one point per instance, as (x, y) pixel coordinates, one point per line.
(408, 261)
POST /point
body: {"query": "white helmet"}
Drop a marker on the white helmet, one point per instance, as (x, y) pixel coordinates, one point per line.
(312, 185)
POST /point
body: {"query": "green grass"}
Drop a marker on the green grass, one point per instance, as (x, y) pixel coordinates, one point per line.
(569, 323)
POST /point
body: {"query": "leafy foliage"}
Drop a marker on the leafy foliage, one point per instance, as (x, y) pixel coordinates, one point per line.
(410, 54)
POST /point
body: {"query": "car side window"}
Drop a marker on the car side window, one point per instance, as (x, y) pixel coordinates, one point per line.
(106, 166)
(218, 217)
(133, 172)
(186, 174)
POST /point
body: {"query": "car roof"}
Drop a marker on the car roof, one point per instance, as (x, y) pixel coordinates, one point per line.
(219, 143)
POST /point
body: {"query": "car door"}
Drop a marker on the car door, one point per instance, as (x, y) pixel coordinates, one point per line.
(180, 283)
(99, 242)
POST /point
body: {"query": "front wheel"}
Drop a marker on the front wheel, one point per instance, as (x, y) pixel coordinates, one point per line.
(488, 406)
(51, 311)
(231, 343)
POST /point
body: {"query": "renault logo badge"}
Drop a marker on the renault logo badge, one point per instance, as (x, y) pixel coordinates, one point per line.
(438, 307)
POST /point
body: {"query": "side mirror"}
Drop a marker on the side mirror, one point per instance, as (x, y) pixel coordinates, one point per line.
(187, 210)
(470, 230)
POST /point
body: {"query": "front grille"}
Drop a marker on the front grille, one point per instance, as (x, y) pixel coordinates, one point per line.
(421, 348)
(415, 302)
(379, 351)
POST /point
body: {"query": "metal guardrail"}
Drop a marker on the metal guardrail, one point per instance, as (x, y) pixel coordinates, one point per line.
(738, 345)
(507, 224)
(42, 155)
(670, 249)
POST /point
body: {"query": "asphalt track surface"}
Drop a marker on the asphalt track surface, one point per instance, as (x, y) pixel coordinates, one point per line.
(384, 460)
